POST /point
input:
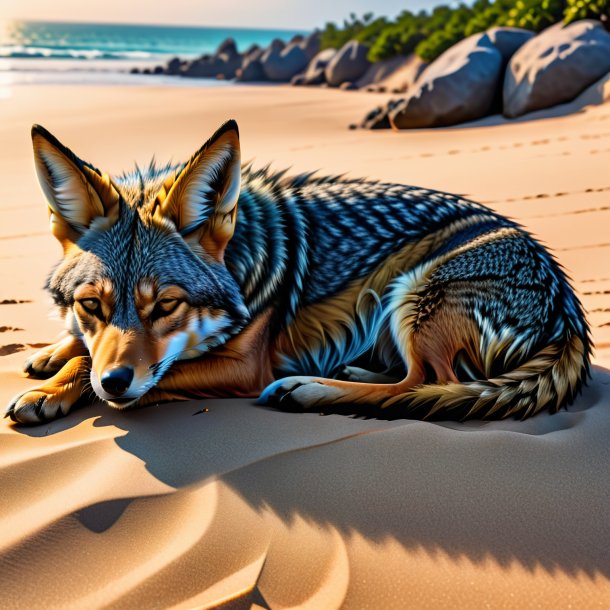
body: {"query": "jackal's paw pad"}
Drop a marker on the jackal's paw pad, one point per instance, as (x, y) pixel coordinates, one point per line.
(298, 394)
(37, 406)
(43, 364)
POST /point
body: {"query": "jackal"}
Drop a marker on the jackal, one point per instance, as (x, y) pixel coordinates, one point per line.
(213, 279)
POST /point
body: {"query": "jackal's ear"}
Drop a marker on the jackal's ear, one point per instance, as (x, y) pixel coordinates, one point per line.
(79, 195)
(202, 199)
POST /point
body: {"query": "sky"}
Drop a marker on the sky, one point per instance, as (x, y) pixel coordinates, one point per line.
(299, 14)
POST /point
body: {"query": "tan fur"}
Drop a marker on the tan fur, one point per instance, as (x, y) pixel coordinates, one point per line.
(180, 198)
(84, 196)
(154, 345)
(241, 367)
(49, 360)
(57, 394)
(330, 318)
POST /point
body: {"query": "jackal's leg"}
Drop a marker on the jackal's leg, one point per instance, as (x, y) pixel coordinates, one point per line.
(51, 359)
(426, 332)
(55, 397)
(355, 373)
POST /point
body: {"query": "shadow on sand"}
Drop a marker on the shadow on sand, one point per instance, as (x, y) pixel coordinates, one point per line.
(535, 492)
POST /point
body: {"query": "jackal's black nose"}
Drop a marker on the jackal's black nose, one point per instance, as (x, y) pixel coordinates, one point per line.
(116, 381)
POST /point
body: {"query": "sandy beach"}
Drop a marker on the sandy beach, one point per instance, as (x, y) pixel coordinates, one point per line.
(253, 508)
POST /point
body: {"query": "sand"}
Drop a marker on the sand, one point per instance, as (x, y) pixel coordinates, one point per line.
(163, 507)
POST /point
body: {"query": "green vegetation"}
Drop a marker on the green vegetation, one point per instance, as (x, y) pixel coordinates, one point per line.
(431, 33)
(588, 9)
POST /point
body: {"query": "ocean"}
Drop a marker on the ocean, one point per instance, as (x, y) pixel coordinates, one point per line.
(56, 52)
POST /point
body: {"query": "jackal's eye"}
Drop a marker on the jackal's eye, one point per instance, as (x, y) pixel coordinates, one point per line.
(165, 307)
(91, 306)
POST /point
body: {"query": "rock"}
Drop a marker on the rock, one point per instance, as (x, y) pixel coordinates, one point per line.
(315, 78)
(379, 118)
(403, 78)
(158, 70)
(320, 61)
(297, 80)
(228, 65)
(173, 66)
(380, 71)
(459, 86)
(555, 66)
(134, 71)
(508, 40)
(224, 64)
(251, 70)
(204, 67)
(311, 45)
(283, 65)
(347, 86)
(349, 64)
(254, 54)
(276, 45)
(227, 47)
(252, 50)
(315, 72)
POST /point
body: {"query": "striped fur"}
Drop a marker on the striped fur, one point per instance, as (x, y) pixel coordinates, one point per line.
(298, 277)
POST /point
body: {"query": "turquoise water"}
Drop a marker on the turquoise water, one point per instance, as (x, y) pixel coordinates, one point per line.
(84, 41)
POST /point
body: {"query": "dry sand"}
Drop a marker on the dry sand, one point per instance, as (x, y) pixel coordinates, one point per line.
(160, 508)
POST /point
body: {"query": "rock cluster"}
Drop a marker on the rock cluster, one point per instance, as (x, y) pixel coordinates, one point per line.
(279, 62)
(556, 66)
(506, 70)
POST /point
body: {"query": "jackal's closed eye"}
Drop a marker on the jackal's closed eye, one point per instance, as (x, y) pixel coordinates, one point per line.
(165, 307)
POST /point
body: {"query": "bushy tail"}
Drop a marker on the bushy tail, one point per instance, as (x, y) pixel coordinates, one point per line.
(549, 380)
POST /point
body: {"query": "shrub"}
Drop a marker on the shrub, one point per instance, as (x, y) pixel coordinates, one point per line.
(588, 9)
(429, 34)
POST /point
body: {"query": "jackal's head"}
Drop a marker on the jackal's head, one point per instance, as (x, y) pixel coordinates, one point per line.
(143, 279)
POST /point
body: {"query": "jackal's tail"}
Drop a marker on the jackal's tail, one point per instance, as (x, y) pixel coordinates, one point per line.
(549, 380)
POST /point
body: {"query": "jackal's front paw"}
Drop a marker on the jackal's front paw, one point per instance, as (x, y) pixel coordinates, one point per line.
(51, 359)
(298, 394)
(42, 364)
(39, 405)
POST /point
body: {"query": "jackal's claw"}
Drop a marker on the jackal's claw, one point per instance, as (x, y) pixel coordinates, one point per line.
(297, 394)
(42, 365)
(36, 407)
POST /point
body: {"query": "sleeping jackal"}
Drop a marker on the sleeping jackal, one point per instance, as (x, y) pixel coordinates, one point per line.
(213, 279)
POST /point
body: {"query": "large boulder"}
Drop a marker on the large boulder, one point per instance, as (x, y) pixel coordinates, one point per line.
(508, 40)
(555, 66)
(205, 66)
(459, 86)
(349, 64)
(379, 118)
(380, 71)
(173, 66)
(228, 65)
(403, 78)
(227, 47)
(251, 70)
(223, 65)
(277, 44)
(315, 72)
(281, 66)
(253, 48)
(311, 45)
